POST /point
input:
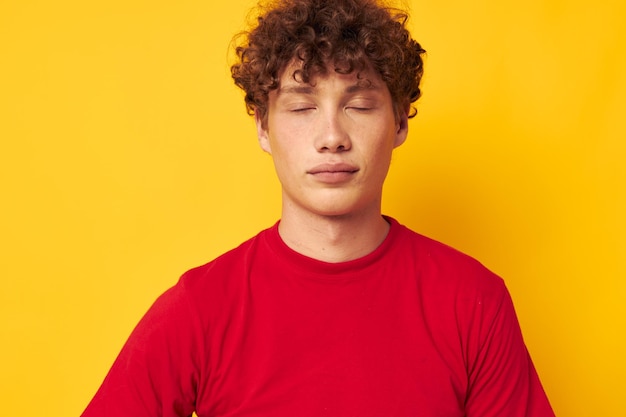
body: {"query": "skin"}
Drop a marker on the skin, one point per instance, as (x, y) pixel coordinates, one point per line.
(331, 142)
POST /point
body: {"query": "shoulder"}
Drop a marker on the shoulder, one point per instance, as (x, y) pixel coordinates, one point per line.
(460, 296)
(446, 267)
(224, 274)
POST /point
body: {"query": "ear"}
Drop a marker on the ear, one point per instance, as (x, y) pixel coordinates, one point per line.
(402, 130)
(262, 134)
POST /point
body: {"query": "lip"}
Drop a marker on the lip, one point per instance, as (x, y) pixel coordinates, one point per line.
(333, 173)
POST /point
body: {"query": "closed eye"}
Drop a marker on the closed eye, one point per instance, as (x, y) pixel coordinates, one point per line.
(361, 105)
(361, 109)
(300, 107)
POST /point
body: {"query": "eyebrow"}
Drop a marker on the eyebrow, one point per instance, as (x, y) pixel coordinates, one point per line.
(295, 89)
(309, 90)
(363, 86)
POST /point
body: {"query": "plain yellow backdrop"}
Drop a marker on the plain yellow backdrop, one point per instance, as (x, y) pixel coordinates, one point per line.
(127, 157)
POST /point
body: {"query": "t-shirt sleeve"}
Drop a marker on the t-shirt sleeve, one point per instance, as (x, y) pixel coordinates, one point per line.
(157, 370)
(502, 378)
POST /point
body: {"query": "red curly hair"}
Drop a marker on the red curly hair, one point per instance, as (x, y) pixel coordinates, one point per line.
(349, 34)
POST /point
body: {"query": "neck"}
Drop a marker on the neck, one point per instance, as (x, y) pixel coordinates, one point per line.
(333, 238)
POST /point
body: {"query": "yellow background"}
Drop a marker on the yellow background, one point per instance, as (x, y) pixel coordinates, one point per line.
(126, 158)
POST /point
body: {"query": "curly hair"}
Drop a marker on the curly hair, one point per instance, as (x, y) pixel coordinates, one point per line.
(351, 35)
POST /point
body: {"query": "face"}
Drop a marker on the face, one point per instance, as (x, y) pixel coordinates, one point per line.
(331, 141)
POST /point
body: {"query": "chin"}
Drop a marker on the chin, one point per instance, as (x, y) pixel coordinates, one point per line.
(335, 203)
(337, 209)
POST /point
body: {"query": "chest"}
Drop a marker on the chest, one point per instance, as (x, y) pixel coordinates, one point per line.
(353, 348)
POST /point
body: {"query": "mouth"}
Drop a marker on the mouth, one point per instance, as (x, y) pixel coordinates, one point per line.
(333, 173)
(333, 169)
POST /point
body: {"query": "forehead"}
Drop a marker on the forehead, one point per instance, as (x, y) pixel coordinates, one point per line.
(292, 76)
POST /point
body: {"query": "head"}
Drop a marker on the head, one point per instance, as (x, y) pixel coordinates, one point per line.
(313, 37)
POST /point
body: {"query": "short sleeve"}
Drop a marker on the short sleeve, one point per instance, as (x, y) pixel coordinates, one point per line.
(502, 378)
(157, 370)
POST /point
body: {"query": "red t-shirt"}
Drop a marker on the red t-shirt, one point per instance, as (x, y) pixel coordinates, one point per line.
(415, 328)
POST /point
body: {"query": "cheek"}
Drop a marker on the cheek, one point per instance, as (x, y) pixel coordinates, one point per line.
(285, 160)
(380, 153)
(382, 143)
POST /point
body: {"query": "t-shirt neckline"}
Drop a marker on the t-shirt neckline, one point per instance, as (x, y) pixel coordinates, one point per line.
(328, 270)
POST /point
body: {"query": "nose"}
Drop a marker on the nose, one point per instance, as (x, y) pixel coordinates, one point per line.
(333, 135)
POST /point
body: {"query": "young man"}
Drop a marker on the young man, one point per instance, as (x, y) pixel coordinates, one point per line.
(336, 310)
